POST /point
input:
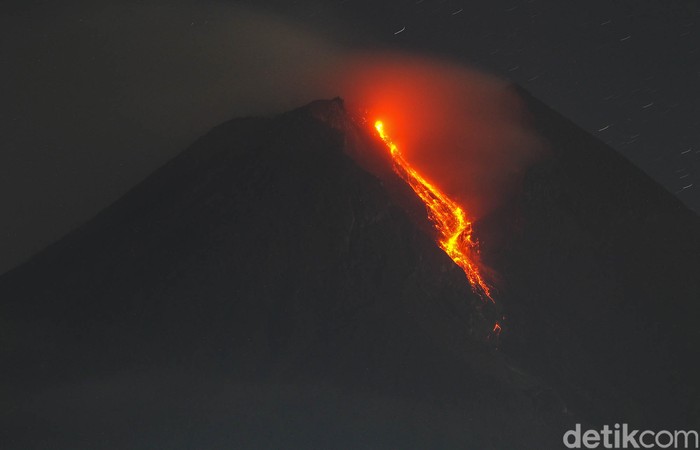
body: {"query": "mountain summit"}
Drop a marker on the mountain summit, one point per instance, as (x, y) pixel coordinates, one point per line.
(277, 286)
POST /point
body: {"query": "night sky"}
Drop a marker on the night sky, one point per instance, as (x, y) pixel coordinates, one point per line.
(95, 97)
(626, 71)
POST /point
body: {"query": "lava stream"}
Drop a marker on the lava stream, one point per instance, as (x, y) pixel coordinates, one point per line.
(448, 218)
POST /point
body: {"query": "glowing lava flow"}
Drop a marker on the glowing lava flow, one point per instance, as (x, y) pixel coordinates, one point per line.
(449, 219)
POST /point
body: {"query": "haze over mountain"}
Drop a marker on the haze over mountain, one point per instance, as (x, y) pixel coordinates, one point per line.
(264, 289)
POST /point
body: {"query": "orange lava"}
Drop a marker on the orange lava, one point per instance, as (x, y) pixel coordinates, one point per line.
(496, 329)
(448, 218)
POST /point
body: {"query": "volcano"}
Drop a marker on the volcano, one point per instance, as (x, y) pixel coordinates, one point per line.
(276, 285)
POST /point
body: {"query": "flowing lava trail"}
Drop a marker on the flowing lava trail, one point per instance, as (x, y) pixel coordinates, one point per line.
(448, 218)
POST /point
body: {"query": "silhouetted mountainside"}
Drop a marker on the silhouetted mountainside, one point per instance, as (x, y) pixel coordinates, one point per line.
(263, 290)
(603, 280)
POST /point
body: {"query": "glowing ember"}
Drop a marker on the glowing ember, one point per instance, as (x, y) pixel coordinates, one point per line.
(496, 329)
(448, 218)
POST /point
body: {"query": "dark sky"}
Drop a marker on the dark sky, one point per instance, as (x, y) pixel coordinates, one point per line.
(96, 96)
(626, 71)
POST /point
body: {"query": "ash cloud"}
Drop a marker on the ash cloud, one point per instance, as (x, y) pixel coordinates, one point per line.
(98, 95)
(462, 129)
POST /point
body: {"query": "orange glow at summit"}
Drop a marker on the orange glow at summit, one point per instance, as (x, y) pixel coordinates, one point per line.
(449, 219)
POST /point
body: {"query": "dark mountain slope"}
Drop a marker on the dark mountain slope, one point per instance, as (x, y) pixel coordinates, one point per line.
(264, 290)
(603, 280)
(261, 290)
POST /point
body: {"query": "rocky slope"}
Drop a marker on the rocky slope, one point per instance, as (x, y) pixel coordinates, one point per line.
(274, 287)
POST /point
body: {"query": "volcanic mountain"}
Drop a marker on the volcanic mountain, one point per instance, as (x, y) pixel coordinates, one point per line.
(268, 289)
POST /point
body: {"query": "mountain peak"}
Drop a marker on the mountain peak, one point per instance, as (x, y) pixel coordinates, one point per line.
(277, 284)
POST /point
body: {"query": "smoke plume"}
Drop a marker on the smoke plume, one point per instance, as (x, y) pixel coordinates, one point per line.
(98, 95)
(462, 129)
